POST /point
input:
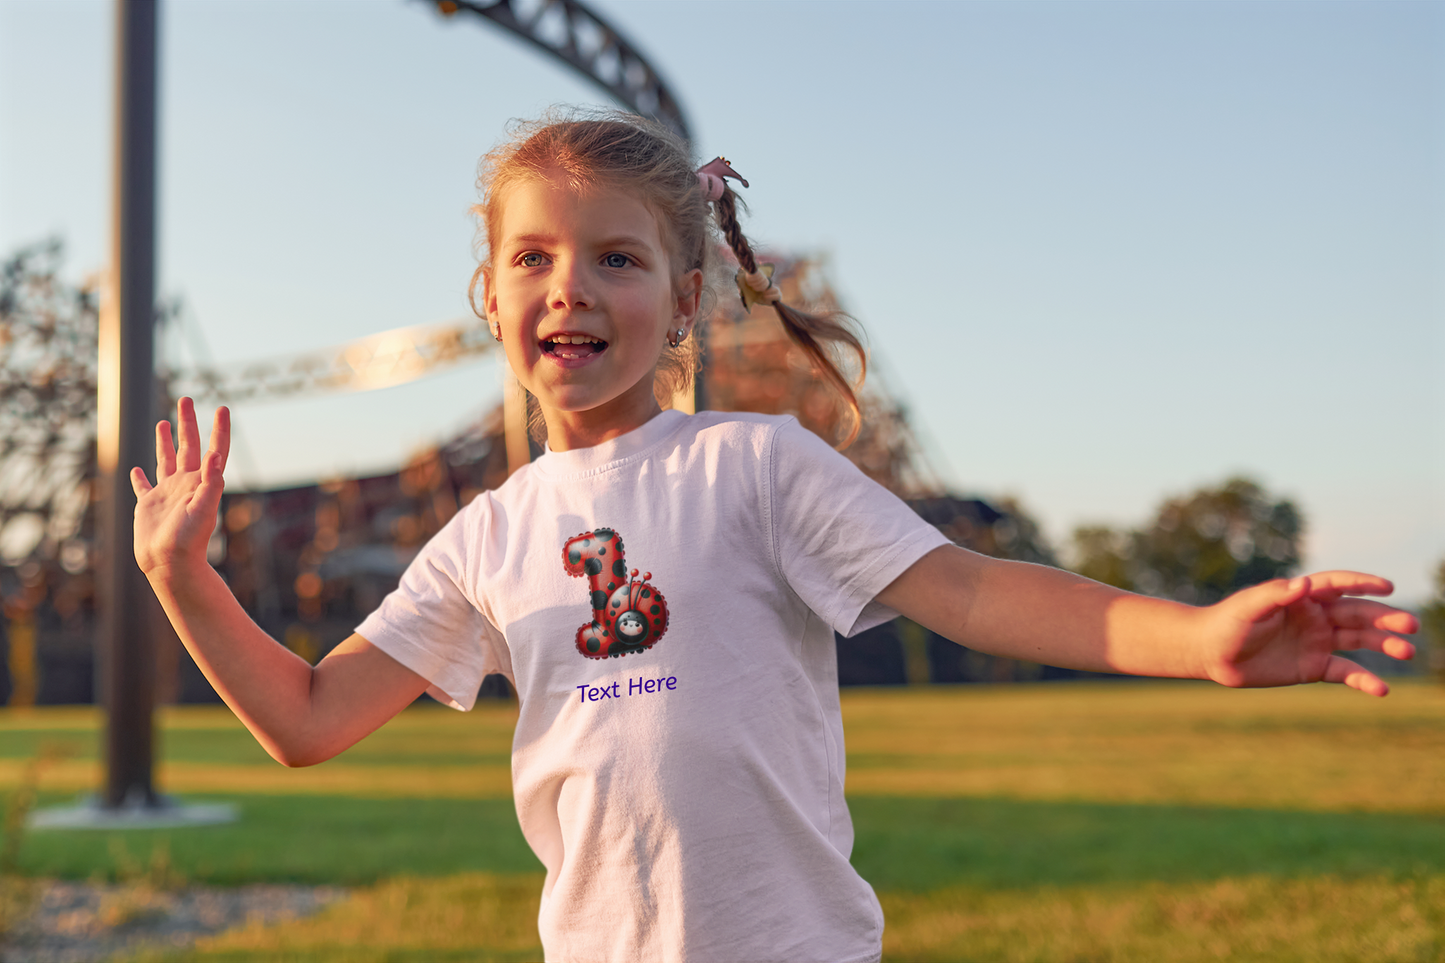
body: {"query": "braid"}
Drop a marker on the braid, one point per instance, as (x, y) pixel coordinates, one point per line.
(727, 216)
(806, 330)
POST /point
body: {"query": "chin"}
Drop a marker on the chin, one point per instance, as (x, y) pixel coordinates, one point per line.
(571, 402)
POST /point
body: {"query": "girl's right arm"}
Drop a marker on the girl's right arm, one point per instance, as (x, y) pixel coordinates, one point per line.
(301, 714)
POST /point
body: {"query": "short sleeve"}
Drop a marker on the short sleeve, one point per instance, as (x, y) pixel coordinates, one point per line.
(839, 538)
(433, 623)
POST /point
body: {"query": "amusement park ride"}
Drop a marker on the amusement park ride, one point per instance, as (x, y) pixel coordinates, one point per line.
(296, 557)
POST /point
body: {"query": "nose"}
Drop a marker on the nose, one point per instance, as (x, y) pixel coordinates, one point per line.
(571, 286)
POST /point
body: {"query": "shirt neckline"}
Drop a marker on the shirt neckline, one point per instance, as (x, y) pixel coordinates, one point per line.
(611, 452)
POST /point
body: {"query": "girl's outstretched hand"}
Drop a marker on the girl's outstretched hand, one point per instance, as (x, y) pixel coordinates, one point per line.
(1287, 631)
(174, 518)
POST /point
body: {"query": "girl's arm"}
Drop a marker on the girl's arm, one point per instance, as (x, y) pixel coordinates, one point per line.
(300, 714)
(1276, 633)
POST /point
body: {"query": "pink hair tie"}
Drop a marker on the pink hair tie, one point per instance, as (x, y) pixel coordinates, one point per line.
(710, 178)
(712, 187)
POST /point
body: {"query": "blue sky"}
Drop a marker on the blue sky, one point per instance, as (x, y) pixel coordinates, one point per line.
(1107, 252)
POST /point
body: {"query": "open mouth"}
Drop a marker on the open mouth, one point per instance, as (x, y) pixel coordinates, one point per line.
(573, 347)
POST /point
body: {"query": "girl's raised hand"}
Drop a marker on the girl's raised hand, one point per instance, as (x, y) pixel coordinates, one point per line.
(174, 518)
(1287, 631)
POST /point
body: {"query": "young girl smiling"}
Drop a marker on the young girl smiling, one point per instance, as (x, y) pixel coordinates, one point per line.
(678, 759)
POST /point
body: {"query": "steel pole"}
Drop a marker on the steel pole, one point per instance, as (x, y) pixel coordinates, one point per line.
(124, 408)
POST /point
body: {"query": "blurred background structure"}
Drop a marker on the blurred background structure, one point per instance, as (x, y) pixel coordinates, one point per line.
(48, 361)
(309, 562)
(1101, 267)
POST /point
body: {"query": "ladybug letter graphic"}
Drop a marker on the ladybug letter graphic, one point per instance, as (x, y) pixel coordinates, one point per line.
(628, 615)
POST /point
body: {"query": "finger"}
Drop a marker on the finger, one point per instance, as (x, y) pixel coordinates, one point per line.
(1325, 586)
(1260, 601)
(165, 452)
(221, 436)
(1344, 671)
(1375, 640)
(138, 482)
(1355, 613)
(213, 483)
(188, 458)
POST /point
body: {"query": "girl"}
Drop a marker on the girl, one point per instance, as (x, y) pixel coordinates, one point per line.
(678, 759)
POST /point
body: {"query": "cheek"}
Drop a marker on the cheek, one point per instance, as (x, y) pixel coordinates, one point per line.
(653, 312)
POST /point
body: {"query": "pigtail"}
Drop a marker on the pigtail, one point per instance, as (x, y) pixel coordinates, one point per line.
(814, 333)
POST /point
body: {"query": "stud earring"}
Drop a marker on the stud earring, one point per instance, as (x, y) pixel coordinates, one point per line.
(675, 338)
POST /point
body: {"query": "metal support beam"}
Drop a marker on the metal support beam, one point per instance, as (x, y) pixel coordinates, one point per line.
(375, 361)
(577, 36)
(125, 392)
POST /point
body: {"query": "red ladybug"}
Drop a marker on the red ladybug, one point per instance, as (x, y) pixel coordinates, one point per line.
(628, 615)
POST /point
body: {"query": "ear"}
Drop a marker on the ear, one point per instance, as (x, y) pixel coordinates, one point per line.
(489, 296)
(689, 299)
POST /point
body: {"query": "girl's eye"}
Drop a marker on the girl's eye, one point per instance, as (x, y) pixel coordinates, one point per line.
(530, 260)
(617, 260)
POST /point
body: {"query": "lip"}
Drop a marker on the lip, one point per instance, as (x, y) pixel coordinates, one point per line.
(573, 361)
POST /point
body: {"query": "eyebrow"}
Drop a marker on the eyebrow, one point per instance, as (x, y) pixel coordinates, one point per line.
(529, 238)
(624, 240)
(621, 240)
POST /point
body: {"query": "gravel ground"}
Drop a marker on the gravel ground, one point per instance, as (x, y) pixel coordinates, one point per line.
(71, 922)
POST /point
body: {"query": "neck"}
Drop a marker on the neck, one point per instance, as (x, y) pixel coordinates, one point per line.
(584, 429)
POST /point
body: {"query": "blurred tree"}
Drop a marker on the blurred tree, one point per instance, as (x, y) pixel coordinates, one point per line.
(47, 468)
(1018, 536)
(1198, 548)
(1104, 554)
(1432, 624)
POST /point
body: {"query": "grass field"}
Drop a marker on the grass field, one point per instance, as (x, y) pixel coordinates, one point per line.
(1099, 821)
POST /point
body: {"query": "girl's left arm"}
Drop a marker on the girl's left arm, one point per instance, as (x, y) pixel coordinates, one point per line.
(1276, 633)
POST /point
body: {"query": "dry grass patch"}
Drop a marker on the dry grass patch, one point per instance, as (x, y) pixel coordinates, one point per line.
(205, 749)
(1312, 748)
(471, 916)
(1238, 919)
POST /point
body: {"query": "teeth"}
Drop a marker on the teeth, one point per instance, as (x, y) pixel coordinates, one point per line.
(574, 339)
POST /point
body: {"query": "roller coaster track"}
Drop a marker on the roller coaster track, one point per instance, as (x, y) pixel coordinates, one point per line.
(375, 361)
(565, 30)
(570, 32)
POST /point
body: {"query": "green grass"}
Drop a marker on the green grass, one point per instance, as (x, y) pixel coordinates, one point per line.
(425, 735)
(303, 839)
(1057, 822)
(917, 845)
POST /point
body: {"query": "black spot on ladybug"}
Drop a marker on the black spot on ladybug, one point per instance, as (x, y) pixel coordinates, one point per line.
(634, 621)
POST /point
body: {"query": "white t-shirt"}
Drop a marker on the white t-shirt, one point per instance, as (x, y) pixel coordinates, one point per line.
(678, 760)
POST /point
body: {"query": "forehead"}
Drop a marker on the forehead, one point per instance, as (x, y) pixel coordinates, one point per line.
(552, 207)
